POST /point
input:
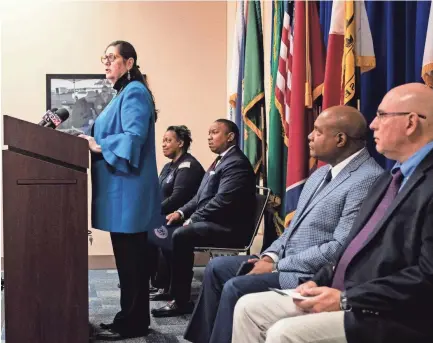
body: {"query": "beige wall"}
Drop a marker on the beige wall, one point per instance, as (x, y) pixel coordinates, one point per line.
(182, 47)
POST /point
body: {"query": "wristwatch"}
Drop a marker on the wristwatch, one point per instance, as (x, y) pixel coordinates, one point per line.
(344, 306)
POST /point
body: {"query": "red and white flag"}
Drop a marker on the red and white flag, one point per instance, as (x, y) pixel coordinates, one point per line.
(284, 74)
(333, 92)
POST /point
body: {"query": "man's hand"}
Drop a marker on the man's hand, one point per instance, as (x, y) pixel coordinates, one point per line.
(307, 285)
(173, 218)
(93, 146)
(323, 299)
(262, 266)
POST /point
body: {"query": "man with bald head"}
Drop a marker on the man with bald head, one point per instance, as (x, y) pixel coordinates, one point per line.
(381, 288)
(327, 206)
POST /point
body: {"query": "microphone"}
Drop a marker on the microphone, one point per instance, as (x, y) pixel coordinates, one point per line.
(46, 118)
(56, 118)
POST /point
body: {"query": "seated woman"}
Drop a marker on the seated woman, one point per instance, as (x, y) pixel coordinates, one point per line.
(179, 181)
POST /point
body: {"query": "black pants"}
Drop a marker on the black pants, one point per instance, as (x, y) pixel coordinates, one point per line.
(159, 264)
(130, 254)
(185, 239)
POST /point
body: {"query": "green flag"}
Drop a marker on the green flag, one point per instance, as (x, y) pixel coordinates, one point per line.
(276, 180)
(253, 87)
(277, 152)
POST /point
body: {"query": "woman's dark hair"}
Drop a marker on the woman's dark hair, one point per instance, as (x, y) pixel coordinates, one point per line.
(183, 134)
(126, 50)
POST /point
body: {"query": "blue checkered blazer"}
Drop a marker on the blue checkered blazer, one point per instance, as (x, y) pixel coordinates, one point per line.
(320, 227)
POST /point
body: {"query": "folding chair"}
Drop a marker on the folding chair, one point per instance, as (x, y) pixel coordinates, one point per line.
(261, 203)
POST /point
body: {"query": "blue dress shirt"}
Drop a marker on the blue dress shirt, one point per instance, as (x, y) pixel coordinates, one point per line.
(409, 166)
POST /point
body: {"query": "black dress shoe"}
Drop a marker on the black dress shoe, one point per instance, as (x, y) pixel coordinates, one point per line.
(106, 326)
(160, 296)
(111, 335)
(153, 289)
(108, 335)
(173, 310)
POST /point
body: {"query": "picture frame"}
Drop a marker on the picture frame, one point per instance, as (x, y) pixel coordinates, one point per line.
(84, 96)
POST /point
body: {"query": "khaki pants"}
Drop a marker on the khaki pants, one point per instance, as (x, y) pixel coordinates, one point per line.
(273, 318)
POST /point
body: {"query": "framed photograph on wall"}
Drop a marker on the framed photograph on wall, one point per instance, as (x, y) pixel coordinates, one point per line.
(83, 95)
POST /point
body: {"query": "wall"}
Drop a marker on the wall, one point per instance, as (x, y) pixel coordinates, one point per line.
(181, 46)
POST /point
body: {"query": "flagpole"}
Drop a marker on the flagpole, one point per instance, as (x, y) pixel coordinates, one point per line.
(264, 135)
(358, 87)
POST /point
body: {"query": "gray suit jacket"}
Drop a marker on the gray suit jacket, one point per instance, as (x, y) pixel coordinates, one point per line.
(321, 226)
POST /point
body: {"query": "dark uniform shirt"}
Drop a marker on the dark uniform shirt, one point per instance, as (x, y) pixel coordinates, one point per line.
(179, 182)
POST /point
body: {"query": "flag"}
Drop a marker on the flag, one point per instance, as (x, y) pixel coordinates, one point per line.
(348, 72)
(350, 45)
(284, 76)
(237, 69)
(308, 66)
(427, 62)
(253, 94)
(281, 101)
(276, 161)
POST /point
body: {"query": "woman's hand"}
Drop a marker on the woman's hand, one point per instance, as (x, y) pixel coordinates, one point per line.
(93, 146)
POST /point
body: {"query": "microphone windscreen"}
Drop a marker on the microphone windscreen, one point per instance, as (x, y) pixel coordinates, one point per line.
(62, 113)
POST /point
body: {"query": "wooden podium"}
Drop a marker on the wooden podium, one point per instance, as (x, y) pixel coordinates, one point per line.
(45, 234)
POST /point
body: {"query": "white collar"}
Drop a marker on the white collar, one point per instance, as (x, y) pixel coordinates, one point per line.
(335, 170)
(225, 152)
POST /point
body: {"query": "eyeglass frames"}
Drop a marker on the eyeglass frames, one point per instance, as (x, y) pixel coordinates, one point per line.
(110, 58)
(384, 114)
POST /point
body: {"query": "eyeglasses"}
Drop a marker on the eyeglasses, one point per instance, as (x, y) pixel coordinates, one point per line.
(384, 114)
(110, 58)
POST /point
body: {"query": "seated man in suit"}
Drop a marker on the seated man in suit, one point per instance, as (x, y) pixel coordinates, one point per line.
(220, 214)
(381, 289)
(327, 207)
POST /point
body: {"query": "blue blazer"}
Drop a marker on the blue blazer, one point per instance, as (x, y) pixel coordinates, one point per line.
(322, 224)
(126, 196)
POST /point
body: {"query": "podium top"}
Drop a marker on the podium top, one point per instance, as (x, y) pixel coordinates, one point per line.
(45, 143)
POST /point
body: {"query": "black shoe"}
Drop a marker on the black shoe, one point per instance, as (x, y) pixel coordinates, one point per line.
(171, 309)
(160, 296)
(106, 326)
(111, 335)
(153, 289)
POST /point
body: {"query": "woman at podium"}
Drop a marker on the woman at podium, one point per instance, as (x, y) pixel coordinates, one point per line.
(126, 199)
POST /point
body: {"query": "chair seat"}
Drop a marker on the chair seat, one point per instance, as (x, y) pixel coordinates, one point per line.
(261, 203)
(220, 249)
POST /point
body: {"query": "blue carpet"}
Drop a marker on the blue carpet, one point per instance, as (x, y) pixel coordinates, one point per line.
(104, 299)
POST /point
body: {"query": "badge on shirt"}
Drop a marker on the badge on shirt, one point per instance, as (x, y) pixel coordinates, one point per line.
(169, 178)
(185, 165)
